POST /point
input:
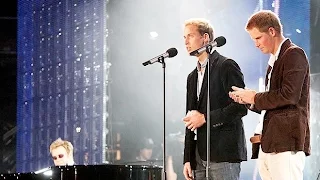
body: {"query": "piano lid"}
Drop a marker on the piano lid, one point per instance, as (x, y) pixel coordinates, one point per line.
(91, 172)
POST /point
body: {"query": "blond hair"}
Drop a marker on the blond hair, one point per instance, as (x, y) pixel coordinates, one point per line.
(263, 20)
(203, 26)
(66, 144)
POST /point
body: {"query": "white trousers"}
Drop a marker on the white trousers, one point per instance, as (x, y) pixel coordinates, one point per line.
(281, 166)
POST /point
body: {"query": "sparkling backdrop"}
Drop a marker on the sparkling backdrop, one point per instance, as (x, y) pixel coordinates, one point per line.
(62, 80)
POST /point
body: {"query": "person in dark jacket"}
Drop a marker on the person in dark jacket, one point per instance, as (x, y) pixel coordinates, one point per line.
(227, 138)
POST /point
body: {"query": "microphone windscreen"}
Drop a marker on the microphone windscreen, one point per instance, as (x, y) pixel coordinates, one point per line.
(220, 41)
(172, 52)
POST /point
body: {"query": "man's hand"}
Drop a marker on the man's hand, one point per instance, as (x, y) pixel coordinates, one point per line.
(194, 119)
(242, 96)
(187, 172)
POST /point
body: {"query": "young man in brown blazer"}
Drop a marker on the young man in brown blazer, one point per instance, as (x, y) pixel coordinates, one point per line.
(285, 140)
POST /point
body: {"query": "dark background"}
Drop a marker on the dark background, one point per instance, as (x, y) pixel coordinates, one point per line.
(8, 93)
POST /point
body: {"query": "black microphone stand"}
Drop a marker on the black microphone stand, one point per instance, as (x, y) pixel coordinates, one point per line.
(208, 50)
(161, 60)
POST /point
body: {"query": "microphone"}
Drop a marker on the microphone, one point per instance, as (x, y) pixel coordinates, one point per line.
(219, 41)
(168, 54)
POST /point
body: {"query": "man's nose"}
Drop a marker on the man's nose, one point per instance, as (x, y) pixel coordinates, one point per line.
(186, 41)
(257, 44)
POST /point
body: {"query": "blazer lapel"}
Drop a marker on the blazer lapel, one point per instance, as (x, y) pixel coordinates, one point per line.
(213, 58)
(193, 84)
(283, 49)
(267, 77)
(204, 86)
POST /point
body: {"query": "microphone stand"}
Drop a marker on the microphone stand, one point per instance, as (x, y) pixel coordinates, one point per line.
(208, 50)
(161, 60)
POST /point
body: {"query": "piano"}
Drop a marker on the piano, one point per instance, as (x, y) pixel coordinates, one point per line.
(90, 172)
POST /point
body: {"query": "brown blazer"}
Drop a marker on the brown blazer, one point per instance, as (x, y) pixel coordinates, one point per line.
(286, 122)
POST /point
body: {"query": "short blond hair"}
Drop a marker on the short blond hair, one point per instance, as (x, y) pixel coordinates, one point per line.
(203, 26)
(263, 20)
(59, 142)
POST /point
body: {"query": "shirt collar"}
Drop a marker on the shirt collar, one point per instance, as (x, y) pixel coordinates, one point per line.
(201, 65)
(274, 57)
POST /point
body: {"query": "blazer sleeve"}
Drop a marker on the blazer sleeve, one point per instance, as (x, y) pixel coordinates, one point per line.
(189, 135)
(231, 75)
(251, 107)
(294, 73)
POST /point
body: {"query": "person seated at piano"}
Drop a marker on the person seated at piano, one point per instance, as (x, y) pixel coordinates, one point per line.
(145, 150)
(62, 152)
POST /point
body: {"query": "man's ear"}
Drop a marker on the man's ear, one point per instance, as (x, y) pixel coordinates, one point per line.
(206, 38)
(272, 31)
(70, 155)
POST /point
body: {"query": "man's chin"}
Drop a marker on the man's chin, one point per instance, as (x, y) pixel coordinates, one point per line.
(61, 164)
(264, 51)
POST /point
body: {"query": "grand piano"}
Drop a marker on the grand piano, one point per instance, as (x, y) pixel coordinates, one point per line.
(91, 172)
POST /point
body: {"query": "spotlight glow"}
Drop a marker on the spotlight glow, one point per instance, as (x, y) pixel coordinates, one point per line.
(298, 31)
(153, 35)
